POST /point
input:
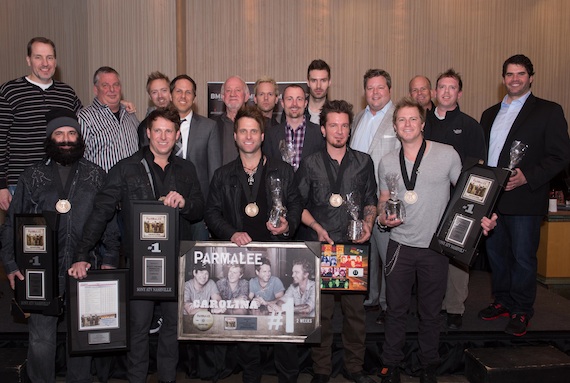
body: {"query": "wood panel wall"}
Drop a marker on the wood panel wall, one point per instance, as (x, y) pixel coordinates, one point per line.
(280, 38)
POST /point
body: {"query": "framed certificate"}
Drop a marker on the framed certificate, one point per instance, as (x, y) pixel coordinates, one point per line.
(36, 253)
(475, 195)
(154, 265)
(277, 297)
(344, 268)
(97, 319)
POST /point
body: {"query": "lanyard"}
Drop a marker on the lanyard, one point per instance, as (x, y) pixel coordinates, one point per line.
(411, 183)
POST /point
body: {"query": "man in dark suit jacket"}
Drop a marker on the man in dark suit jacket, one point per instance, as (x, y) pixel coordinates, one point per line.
(512, 246)
(200, 141)
(296, 137)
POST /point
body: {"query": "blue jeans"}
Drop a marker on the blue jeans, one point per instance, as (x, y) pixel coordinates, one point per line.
(42, 349)
(42, 338)
(511, 249)
(199, 232)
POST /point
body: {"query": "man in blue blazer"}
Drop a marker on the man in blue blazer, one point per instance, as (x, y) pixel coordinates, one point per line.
(512, 246)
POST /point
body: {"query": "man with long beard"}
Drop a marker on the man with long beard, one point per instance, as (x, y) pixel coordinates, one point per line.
(67, 183)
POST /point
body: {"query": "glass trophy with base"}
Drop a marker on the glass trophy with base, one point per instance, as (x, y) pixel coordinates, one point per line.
(394, 207)
(277, 209)
(355, 228)
(518, 150)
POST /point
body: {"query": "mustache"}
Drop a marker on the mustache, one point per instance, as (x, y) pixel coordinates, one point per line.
(67, 143)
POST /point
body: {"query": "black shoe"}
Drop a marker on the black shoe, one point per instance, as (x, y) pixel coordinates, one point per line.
(371, 308)
(358, 377)
(428, 374)
(381, 317)
(454, 321)
(390, 374)
(155, 325)
(320, 378)
(494, 311)
(517, 325)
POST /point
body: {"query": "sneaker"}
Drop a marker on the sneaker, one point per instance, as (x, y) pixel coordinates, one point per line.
(381, 317)
(517, 325)
(390, 374)
(428, 374)
(494, 311)
(454, 321)
(155, 326)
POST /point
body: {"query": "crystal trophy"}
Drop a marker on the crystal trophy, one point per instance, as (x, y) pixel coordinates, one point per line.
(287, 151)
(354, 225)
(518, 150)
(394, 207)
(277, 209)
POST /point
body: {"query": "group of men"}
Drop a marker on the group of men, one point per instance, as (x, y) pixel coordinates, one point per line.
(219, 174)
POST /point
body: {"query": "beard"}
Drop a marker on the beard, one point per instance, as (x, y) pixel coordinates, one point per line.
(67, 156)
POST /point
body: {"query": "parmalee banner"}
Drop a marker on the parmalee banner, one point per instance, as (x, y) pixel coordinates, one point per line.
(263, 292)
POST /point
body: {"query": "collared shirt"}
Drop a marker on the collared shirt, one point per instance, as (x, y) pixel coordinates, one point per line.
(296, 138)
(242, 289)
(300, 298)
(315, 189)
(107, 141)
(502, 126)
(185, 132)
(367, 127)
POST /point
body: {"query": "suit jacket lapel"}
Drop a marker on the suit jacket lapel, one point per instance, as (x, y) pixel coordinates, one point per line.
(385, 124)
(523, 114)
(191, 129)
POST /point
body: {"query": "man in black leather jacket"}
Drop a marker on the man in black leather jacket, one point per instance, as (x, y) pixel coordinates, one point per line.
(239, 209)
(153, 173)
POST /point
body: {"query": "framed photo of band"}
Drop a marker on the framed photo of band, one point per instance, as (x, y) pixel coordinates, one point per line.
(36, 253)
(264, 292)
(97, 315)
(344, 268)
(475, 195)
(155, 251)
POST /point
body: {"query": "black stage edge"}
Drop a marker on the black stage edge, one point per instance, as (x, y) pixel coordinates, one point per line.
(549, 326)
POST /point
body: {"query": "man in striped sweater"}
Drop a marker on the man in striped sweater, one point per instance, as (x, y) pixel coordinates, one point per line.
(23, 105)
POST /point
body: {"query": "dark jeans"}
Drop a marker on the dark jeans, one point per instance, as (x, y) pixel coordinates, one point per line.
(353, 334)
(431, 271)
(511, 249)
(167, 353)
(42, 350)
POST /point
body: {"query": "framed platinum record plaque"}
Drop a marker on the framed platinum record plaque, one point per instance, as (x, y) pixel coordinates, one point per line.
(36, 253)
(475, 195)
(97, 315)
(262, 292)
(154, 263)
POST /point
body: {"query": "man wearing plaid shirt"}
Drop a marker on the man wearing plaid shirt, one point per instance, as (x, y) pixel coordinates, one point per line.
(296, 137)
